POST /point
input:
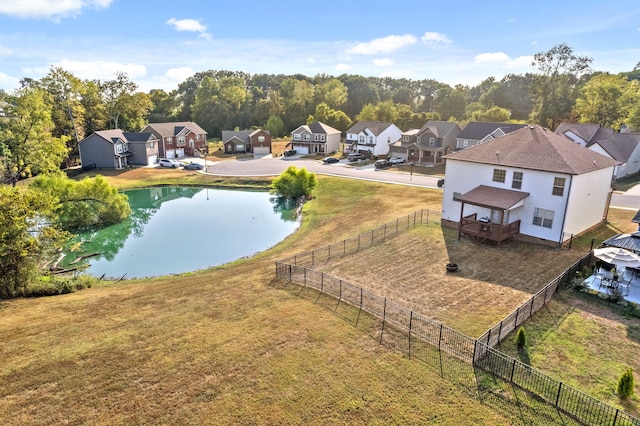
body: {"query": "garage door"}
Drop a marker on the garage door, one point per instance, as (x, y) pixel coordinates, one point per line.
(152, 159)
(180, 152)
(171, 154)
(261, 150)
(301, 149)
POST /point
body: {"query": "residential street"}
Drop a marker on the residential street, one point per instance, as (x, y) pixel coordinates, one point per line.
(267, 166)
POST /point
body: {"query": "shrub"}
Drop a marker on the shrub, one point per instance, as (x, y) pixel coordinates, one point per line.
(51, 286)
(521, 338)
(625, 384)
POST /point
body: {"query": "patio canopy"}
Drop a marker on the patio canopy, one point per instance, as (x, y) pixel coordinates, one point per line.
(625, 241)
(618, 256)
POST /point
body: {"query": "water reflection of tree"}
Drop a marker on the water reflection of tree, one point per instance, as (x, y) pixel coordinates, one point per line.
(144, 204)
(286, 207)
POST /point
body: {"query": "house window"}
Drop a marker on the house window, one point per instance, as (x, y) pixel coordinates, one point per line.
(198, 137)
(456, 196)
(517, 180)
(499, 175)
(261, 139)
(558, 186)
(152, 144)
(465, 143)
(316, 137)
(240, 147)
(181, 141)
(431, 141)
(169, 140)
(361, 139)
(543, 217)
(296, 137)
(371, 140)
(405, 138)
(307, 137)
(323, 138)
(119, 148)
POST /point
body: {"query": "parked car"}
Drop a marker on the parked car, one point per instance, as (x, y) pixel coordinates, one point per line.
(330, 160)
(194, 166)
(355, 156)
(440, 183)
(289, 152)
(166, 162)
(396, 160)
(382, 164)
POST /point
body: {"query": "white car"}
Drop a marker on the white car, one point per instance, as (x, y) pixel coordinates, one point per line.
(396, 160)
(166, 162)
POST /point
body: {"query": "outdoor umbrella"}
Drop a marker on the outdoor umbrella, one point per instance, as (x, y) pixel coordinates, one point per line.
(618, 256)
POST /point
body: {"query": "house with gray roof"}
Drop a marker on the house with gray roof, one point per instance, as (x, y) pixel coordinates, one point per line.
(622, 147)
(405, 147)
(477, 132)
(316, 138)
(255, 141)
(178, 139)
(532, 184)
(432, 142)
(117, 149)
(373, 137)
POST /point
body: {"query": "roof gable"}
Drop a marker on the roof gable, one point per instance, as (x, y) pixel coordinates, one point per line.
(534, 147)
(321, 128)
(173, 128)
(439, 129)
(375, 127)
(479, 130)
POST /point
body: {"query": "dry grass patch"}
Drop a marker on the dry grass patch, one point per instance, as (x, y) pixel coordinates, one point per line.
(490, 284)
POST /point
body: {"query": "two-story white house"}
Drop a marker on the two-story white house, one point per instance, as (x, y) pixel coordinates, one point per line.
(315, 138)
(532, 184)
(374, 137)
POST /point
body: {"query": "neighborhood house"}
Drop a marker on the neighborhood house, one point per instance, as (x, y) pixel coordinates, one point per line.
(531, 183)
(178, 139)
(118, 149)
(256, 141)
(315, 138)
(374, 137)
(428, 144)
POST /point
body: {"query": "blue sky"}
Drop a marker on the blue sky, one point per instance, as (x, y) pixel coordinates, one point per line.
(161, 43)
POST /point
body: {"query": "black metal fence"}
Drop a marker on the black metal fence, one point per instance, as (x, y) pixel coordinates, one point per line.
(498, 332)
(419, 335)
(365, 240)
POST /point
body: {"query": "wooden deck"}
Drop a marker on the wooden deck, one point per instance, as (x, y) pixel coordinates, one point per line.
(482, 231)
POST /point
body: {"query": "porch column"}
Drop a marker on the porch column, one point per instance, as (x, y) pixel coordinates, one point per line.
(460, 221)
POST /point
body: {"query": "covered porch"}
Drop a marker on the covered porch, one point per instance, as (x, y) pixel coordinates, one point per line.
(490, 221)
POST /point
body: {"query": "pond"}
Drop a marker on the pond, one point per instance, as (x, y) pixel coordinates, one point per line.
(179, 229)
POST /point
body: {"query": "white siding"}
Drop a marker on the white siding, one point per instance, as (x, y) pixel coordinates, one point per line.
(587, 201)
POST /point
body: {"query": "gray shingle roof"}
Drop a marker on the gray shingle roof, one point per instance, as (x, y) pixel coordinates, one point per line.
(621, 146)
(321, 128)
(585, 131)
(477, 130)
(173, 128)
(534, 147)
(376, 127)
(243, 135)
(439, 128)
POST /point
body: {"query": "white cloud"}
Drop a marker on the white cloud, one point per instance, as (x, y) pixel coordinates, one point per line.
(8, 81)
(382, 45)
(501, 58)
(435, 39)
(178, 75)
(102, 70)
(5, 51)
(342, 67)
(192, 25)
(53, 9)
(383, 62)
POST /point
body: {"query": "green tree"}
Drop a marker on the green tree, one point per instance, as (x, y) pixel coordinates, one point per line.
(26, 144)
(556, 84)
(86, 203)
(626, 384)
(333, 117)
(94, 117)
(135, 112)
(521, 338)
(450, 102)
(118, 96)
(332, 92)
(607, 100)
(494, 114)
(275, 126)
(298, 102)
(27, 238)
(294, 183)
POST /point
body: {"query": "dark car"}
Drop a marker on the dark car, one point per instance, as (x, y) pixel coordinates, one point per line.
(382, 164)
(355, 156)
(330, 160)
(289, 152)
(440, 183)
(194, 166)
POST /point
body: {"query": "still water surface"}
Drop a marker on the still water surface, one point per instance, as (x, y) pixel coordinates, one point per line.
(173, 230)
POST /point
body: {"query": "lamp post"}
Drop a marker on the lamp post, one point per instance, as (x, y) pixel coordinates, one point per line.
(411, 171)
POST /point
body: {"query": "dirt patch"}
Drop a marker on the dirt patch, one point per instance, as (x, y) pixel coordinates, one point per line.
(491, 281)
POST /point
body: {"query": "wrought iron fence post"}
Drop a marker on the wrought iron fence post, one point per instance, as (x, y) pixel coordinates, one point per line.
(384, 316)
(517, 312)
(410, 326)
(513, 369)
(558, 395)
(290, 268)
